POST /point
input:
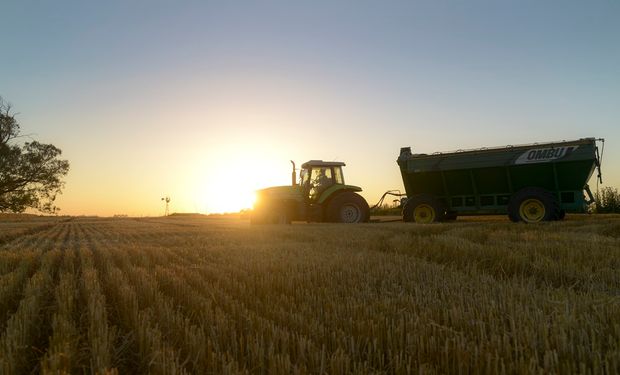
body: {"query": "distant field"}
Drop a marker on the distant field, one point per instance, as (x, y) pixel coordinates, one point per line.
(205, 295)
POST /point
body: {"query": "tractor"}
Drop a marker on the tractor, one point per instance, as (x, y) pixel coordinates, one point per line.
(320, 195)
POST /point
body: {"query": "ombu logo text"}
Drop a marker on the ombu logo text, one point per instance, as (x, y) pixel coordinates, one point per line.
(541, 155)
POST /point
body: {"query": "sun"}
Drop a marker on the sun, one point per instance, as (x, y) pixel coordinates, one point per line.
(227, 198)
(230, 187)
(223, 191)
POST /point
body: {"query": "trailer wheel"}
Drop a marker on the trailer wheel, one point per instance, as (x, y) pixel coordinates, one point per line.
(450, 216)
(561, 214)
(513, 216)
(348, 207)
(533, 205)
(423, 209)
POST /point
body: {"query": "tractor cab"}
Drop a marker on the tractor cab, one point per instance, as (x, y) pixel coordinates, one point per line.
(317, 176)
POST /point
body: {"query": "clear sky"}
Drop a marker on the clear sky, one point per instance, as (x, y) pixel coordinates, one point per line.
(207, 101)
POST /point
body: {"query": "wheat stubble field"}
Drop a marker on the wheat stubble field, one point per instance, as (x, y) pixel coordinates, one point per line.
(200, 295)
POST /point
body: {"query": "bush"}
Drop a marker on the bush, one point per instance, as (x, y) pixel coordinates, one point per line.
(607, 200)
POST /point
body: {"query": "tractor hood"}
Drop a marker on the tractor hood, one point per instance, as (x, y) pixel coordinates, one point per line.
(280, 192)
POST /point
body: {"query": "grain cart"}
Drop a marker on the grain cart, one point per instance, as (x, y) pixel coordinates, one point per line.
(320, 195)
(530, 183)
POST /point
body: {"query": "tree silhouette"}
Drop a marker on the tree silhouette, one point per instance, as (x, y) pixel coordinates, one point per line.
(31, 173)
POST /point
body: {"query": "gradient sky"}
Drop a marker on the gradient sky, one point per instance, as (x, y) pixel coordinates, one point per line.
(207, 101)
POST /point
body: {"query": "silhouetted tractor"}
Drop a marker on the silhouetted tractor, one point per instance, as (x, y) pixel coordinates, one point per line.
(321, 195)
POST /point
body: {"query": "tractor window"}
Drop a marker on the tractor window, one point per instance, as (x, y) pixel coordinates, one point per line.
(320, 179)
(322, 176)
(304, 177)
(338, 176)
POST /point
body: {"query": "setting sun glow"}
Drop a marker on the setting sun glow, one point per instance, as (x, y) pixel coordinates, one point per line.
(231, 186)
(224, 191)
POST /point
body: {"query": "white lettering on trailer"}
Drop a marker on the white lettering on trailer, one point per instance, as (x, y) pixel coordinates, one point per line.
(543, 155)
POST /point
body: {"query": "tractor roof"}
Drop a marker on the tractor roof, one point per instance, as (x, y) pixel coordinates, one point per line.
(321, 163)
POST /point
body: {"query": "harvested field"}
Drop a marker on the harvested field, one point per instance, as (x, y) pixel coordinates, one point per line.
(201, 295)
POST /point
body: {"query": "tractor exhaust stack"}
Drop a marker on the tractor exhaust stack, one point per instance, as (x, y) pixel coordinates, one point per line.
(293, 175)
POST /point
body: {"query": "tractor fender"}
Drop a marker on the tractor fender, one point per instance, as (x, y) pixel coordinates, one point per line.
(336, 189)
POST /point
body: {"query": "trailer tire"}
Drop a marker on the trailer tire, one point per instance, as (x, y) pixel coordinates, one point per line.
(533, 205)
(348, 207)
(513, 216)
(423, 209)
(450, 216)
(561, 214)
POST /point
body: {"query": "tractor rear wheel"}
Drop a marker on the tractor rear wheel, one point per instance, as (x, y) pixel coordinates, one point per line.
(348, 207)
(533, 205)
(423, 209)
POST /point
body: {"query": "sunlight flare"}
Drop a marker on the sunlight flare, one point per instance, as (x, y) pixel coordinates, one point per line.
(230, 187)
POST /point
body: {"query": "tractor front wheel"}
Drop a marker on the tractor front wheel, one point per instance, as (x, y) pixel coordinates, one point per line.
(274, 214)
(257, 218)
(348, 207)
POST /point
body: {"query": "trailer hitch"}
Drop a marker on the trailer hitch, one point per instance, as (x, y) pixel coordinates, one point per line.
(395, 193)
